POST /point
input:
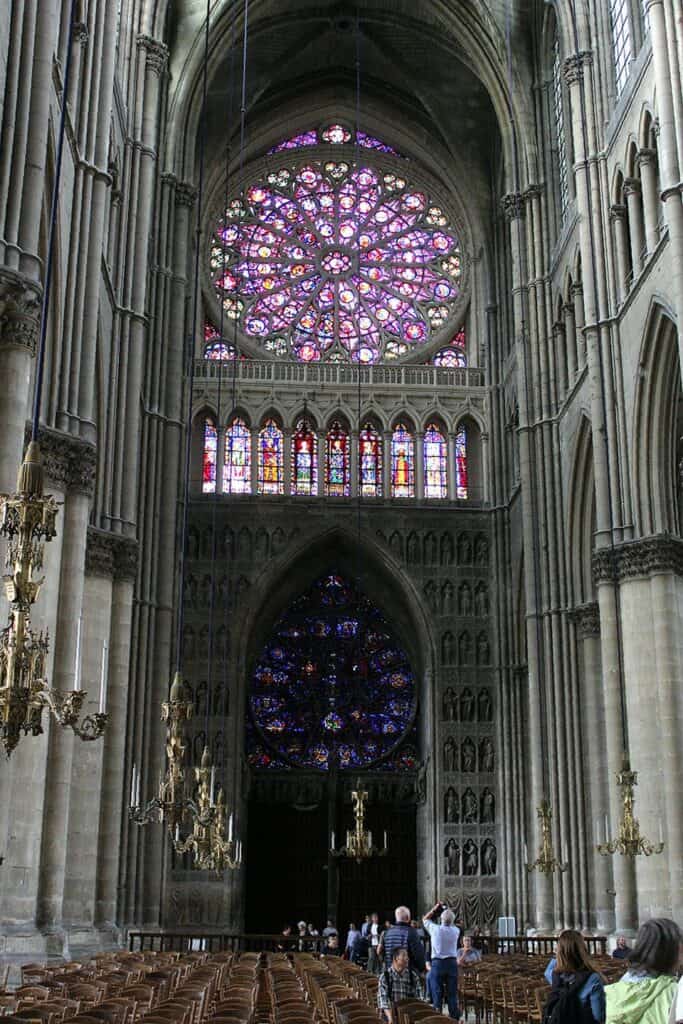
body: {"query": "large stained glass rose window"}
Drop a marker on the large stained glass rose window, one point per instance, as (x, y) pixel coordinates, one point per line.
(339, 261)
(331, 684)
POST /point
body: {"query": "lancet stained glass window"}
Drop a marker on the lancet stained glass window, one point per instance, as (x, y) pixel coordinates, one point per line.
(304, 460)
(337, 468)
(237, 467)
(270, 459)
(435, 463)
(402, 462)
(370, 446)
(461, 462)
(332, 683)
(454, 353)
(326, 260)
(209, 456)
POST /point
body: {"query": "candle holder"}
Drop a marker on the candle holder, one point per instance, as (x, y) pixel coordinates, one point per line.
(546, 862)
(211, 849)
(359, 846)
(629, 841)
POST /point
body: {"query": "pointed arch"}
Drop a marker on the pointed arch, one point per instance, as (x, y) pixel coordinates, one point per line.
(581, 515)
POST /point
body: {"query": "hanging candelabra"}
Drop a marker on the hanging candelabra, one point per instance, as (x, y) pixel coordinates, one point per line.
(546, 862)
(629, 841)
(358, 844)
(211, 848)
(27, 521)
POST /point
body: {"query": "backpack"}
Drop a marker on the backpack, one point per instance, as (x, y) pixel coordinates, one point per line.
(564, 1005)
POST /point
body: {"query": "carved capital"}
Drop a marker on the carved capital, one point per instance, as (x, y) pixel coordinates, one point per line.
(19, 311)
(109, 554)
(586, 618)
(69, 462)
(637, 558)
(157, 53)
(533, 192)
(574, 65)
(617, 211)
(559, 330)
(632, 187)
(185, 194)
(513, 206)
(646, 157)
(126, 559)
(80, 33)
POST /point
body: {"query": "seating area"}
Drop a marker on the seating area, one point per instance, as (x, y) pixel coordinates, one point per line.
(260, 988)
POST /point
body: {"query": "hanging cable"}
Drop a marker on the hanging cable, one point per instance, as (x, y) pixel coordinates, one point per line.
(54, 206)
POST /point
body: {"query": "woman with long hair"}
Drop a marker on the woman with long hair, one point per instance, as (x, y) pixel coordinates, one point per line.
(578, 991)
(645, 994)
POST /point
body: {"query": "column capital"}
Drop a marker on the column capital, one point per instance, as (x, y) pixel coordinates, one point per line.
(617, 211)
(185, 194)
(568, 308)
(574, 64)
(533, 192)
(559, 329)
(513, 206)
(649, 556)
(632, 187)
(110, 554)
(577, 289)
(586, 618)
(19, 311)
(157, 53)
(80, 33)
(69, 462)
(646, 157)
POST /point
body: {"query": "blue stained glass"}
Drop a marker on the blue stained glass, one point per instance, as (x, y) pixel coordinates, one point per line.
(334, 687)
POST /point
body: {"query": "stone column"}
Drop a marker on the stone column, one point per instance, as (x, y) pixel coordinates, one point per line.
(621, 247)
(452, 483)
(647, 164)
(322, 460)
(484, 469)
(354, 462)
(386, 464)
(419, 465)
(19, 322)
(634, 205)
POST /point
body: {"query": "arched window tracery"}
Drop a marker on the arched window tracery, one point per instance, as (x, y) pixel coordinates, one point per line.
(622, 41)
(435, 454)
(337, 462)
(402, 462)
(560, 136)
(461, 474)
(370, 455)
(215, 347)
(271, 477)
(209, 456)
(304, 460)
(237, 466)
(454, 353)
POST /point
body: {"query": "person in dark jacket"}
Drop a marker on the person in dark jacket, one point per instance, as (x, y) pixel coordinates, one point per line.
(360, 950)
(402, 936)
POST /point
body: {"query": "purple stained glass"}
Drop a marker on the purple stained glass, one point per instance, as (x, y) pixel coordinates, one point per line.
(454, 353)
(320, 692)
(332, 261)
(334, 135)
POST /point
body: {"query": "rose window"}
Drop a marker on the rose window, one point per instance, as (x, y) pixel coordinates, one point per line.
(333, 261)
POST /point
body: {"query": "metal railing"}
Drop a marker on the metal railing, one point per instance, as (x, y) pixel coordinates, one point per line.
(270, 372)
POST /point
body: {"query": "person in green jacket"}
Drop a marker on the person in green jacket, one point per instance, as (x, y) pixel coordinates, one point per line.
(645, 993)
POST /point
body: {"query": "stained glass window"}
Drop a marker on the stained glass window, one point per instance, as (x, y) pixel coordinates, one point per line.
(461, 462)
(402, 463)
(435, 463)
(334, 135)
(558, 107)
(210, 452)
(337, 468)
(270, 459)
(332, 684)
(622, 41)
(304, 460)
(454, 353)
(216, 347)
(370, 445)
(237, 466)
(326, 260)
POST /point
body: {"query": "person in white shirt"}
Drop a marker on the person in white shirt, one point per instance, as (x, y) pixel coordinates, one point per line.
(678, 1004)
(444, 965)
(374, 935)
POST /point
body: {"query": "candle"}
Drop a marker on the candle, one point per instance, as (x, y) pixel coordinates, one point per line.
(77, 670)
(132, 787)
(137, 789)
(332, 843)
(213, 783)
(606, 829)
(661, 831)
(369, 838)
(385, 839)
(177, 833)
(103, 680)
(230, 822)
(526, 854)
(565, 854)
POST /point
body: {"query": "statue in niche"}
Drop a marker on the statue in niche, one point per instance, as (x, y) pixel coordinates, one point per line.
(192, 543)
(467, 705)
(485, 707)
(430, 594)
(207, 542)
(481, 600)
(218, 750)
(469, 756)
(489, 858)
(224, 592)
(396, 544)
(481, 551)
(228, 543)
(450, 755)
(430, 552)
(190, 591)
(465, 600)
(464, 550)
(452, 855)
(200, 698)
(446, 549)
(244, 544)
(469, 807)
(198, 745)
(451, 807)
(196, 907)
(421, 782)
(483, 650)
(450, 705)
(413, 549)
(487, 814)
(261, 546)
(188, 642)
(470, 862)
(448, 648)
(447, 598)
(217, 699)
(486, 756)
(465, 649)
(206, 592)
(278, 541)
(221, 642)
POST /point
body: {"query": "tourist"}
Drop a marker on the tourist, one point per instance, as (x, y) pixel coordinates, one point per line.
(467, 954)
(329, 929)
(402, 936)
(646, 992)
(374, 933)
(286, 933)
(444, 964)
(360, 950)
(396, 982)
(622, 948)
(575, 980)
(351, 937)
(365, 927)
(331, 947)
(303, 945)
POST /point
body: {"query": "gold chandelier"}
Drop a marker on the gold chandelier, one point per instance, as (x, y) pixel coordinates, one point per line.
(629, 841)
(546, 862)
(211, 848)
(27, 521)
(358, 844)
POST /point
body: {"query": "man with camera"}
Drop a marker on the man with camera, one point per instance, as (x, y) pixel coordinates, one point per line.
(444, 965)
